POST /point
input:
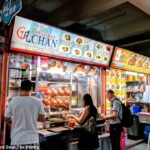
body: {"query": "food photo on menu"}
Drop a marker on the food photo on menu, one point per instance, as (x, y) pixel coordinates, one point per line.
(98, 56)
(139, 61)
(120, 58)
(102, 52)
(88, 54)
(67, 37)
(109, 48)
(101, 58)
(64, 49)
(146, 63)
(132, 59)
(79, 40)
(123, 57)
(99, 46)
(76, 52)
(105, 59)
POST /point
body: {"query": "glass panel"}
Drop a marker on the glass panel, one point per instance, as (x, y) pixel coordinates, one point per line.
(83, 84)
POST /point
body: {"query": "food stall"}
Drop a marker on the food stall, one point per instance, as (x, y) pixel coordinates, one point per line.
(61, 65)
(136, 69)
(129, 80)
(129, 87)
(46, 54)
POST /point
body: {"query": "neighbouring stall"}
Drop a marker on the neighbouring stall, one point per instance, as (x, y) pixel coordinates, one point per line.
(129, 78)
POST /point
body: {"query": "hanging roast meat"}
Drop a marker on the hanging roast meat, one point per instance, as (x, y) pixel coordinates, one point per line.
(67, 91)
(65, 101)
(54, 91)
(61, 91)
(54, 102)
(47, 102)
(60, 102)
(49, 91)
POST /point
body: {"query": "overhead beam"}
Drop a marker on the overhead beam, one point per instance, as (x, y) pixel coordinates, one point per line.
(77, 10)
(136, 43)
(127, 30)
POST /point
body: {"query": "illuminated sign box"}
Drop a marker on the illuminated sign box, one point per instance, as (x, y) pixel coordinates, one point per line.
(131, 61)
(37, 38)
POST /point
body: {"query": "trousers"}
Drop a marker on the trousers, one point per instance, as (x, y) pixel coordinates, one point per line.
(115, 134)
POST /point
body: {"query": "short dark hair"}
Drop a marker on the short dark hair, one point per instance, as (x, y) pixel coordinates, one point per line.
(110, 91)
(26, 85)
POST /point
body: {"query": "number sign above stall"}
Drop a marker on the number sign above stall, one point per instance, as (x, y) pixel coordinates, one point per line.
(36, 38)
(131, 61)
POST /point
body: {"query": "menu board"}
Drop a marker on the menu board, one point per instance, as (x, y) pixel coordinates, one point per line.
(116, 80)
(34, 37)
(131, 61)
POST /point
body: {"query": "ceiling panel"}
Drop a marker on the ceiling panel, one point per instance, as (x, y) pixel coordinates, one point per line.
(48, 5)
(125, 15)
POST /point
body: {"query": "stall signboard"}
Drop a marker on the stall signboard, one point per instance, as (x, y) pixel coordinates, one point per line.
(131, 61)
(34, 37)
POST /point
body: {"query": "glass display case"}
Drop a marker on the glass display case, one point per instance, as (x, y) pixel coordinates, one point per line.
(58, 84)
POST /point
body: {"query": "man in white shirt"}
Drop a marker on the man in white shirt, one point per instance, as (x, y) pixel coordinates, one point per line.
(25, 111)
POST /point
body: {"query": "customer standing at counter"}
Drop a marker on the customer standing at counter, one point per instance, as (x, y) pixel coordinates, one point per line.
(115, 120)
(25, 111)
(88, 139)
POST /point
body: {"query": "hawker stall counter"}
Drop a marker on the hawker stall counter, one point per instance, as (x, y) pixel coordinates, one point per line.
(64, 134)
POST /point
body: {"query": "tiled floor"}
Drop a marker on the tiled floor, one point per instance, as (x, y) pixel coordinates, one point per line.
(136, 145)
(131, 143)
(141, 146)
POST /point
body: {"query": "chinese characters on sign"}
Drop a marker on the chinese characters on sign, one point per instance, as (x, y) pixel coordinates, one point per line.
(10, 9)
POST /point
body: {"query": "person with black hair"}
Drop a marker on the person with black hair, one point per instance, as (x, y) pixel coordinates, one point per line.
(88, 139)
(24, 111)
(114, 118)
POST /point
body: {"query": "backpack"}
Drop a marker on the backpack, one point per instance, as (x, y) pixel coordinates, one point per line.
(127, 118)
